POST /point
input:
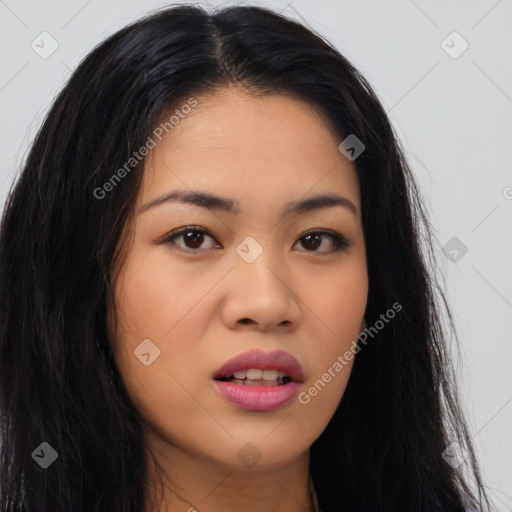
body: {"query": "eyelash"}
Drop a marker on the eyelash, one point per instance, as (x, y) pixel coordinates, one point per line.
(340, 242)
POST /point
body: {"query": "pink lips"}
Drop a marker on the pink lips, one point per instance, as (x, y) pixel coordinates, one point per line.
(260, 398)
(275, 360)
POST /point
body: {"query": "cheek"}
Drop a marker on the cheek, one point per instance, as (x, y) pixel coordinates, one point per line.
(322, 394)
(157, 303)
(155, 298)
(340, 306)
(338, 302)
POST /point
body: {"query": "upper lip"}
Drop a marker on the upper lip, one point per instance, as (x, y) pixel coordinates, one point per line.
(275, 360)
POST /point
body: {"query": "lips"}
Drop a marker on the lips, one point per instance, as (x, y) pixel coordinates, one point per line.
(257, 359)
(253, 394)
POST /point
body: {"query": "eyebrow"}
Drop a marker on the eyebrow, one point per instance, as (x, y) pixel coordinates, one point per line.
(210, 201)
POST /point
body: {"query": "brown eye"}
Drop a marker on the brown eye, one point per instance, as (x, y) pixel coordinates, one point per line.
(193, 238)
(313, 240)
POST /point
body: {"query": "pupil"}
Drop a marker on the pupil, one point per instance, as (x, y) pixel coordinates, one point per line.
(195, 238)
(317, 242)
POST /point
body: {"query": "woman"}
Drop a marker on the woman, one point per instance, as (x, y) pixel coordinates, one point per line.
(213, 295)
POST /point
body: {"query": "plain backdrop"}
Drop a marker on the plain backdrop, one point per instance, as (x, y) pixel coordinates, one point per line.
(451, 106)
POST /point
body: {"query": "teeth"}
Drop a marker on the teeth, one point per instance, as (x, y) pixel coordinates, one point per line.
(240, 374)
(254, 374)
(248, 382)
(270, 374)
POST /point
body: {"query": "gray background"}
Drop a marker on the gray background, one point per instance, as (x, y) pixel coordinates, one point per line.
(454, 118)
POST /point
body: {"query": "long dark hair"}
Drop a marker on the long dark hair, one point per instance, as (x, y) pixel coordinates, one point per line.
(383, 448)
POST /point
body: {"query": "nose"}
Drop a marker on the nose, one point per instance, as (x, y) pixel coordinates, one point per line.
(261, 296)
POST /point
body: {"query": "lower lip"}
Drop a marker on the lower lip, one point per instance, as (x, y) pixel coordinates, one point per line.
(257, 398)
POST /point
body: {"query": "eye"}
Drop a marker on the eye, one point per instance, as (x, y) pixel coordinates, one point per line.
(315, 239)
(192, 236)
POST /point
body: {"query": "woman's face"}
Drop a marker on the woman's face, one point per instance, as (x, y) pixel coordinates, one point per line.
(251, 274)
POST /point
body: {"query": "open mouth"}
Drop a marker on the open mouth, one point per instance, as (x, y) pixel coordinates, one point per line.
(259, 381)
(257, 390)
(257, 377)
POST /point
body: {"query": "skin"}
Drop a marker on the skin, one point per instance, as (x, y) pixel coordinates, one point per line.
(202, 308)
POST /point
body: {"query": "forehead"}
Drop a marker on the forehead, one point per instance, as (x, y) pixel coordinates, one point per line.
(253, 147)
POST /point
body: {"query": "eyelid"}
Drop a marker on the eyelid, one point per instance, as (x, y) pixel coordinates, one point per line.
(169, 237)
(340, 242)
